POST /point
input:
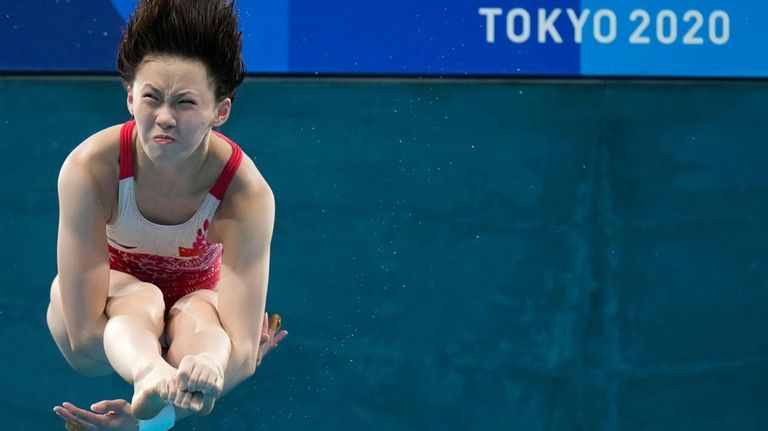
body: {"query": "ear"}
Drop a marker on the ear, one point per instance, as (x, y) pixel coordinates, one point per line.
(129, 100)
(223, 109)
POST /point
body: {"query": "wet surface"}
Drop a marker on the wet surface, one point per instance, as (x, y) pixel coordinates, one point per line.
(455, 255)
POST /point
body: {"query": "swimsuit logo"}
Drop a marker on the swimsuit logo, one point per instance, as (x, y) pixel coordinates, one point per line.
(127, 247)
(200, 245)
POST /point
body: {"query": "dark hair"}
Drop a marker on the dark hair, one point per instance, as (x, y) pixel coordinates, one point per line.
(204, 30)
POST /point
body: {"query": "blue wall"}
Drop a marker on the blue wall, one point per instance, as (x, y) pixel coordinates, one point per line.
(691, 38)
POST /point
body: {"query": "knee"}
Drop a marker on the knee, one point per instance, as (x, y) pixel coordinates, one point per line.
(88, 367)
(151, 296)
(141, 299)
(198, 303)
(54, 294)
(54, 317)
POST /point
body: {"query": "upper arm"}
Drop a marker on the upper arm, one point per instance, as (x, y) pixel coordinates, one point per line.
(246, 233)
(82, 258)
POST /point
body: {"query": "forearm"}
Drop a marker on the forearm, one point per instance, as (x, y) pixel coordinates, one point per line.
(240, 367)
(87, 339)
(83, 298)
(237, 307)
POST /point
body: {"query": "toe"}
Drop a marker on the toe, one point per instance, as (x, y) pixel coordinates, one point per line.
(196, 402)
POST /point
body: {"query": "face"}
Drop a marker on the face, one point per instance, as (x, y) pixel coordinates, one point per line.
(173, 102)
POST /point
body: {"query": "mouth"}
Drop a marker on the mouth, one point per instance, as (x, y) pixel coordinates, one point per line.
(162, 139)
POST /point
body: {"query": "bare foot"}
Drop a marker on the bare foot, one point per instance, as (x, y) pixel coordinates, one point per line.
(192, 401)
(200, 373)
(196, 402)
(198, 382)
(150, 389)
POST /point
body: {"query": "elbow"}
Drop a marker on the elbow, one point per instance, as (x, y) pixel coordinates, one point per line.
(84, 344)
(80, 346)
(250, 364)
(249, 369)
(248, 358)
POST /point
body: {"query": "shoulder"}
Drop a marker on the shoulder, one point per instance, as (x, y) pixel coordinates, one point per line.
(90, 172)
(97, 155)
(248, 207)
(249, 190)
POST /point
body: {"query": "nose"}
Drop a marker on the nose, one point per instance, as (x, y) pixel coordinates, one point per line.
(165, 118)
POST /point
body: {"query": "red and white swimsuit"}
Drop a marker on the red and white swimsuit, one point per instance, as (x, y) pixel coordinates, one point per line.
(178, 259)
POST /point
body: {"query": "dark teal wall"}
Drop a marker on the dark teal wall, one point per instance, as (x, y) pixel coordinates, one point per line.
(457, 255)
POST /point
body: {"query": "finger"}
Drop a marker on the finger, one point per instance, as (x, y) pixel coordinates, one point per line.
(108, 405)
(83, 415)
(264, 330)
(273, 342)
(279, 337)
(67, 416)
(265, 337)
(265, 349)
(63, 413)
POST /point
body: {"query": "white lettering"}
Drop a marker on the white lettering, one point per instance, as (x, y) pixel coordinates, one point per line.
(637, 36)
(725, 27)
(547, 25)
(665, 27)
(490, 14)
(598, 18)
(690, 37)
(526, 30)
(578, 23)
(666, 19)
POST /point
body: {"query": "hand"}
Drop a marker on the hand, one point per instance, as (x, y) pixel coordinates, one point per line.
(105, 415)
(270, 336)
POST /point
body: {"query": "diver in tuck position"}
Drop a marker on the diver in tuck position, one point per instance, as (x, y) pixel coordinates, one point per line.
(165, 229)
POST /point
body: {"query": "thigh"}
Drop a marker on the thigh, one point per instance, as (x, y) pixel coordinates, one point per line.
(195, 310)
(129, 295)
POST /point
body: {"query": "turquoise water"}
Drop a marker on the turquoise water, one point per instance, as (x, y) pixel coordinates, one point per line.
(453, 255)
